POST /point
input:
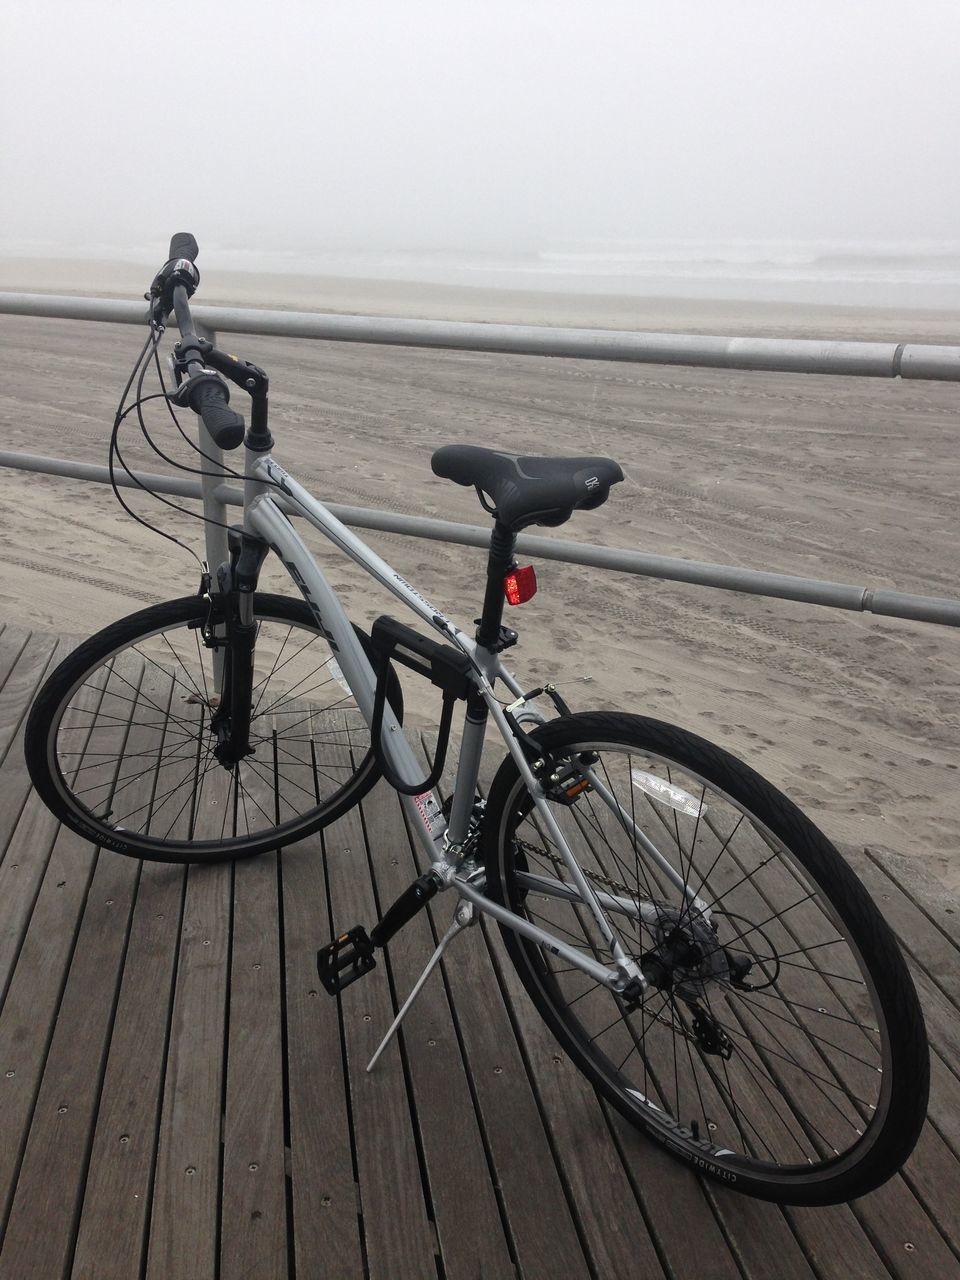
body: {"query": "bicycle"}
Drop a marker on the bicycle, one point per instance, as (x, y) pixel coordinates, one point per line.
(695, 944)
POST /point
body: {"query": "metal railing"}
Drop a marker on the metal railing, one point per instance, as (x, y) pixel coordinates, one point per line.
(774, 355)
(863, 359)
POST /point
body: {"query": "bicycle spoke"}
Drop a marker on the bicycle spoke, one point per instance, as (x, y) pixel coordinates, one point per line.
(298, 713)
(816, 1079)
(295, 694)
(783, 1068)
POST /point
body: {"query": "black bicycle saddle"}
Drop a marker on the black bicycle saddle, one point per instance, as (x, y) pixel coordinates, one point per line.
(529, 490)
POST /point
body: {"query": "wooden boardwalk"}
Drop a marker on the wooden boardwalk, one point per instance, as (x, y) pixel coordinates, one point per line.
(179, 1099)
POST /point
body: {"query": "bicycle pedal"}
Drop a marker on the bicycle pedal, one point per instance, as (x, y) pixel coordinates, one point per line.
(345, 959)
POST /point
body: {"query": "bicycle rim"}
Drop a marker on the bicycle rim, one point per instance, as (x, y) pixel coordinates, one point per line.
(763, 1051)
(130, 738)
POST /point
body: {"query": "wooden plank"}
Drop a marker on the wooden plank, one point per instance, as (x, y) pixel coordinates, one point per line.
(920, 886)
(398, 1235)
(183, 1225)
(21, 684)
(324, 1199)
(51, 1178)
(895, 1219)
(57, 1147)
(758, 1239)
(935, 950)
(542, 1229)
(13, 641)
(461, 1120)
(117, 1195)
(943, 1030)
(323, 1181)
(871, 1216)
(120, 1173)
(16, 785)
(21, 875)
(34, 993)
(587, 1154)
(184, 1222)
(398, 1230)
(688, 1236)
(42, 892)
(26, 854)
(594, 851)
(25, 822)
(543, 1241)
(835, 1243)
(944, 1112)
(469, 1228)
(933, 1175)
(254, 1208)
(16, 780)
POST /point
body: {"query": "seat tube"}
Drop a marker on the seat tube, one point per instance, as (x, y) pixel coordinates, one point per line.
(471, 749)
(499, 563)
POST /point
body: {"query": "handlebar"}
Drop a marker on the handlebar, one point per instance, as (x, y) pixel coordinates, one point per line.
(209, 397)
(202, 389)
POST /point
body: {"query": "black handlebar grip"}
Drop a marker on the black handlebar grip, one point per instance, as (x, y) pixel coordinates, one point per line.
(183, 245)
(210, 399)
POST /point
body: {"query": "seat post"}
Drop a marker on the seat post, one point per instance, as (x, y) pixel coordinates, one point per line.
(499, 563)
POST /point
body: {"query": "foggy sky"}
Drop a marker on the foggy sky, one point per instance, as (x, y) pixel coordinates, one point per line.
(488, 127)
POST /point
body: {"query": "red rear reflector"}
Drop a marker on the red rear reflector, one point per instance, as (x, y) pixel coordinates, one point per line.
(520, 585)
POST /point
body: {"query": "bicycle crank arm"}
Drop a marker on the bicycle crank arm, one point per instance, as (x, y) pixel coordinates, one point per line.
(349, 956)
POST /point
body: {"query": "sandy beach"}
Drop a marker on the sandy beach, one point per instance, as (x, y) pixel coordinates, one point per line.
(854, 480)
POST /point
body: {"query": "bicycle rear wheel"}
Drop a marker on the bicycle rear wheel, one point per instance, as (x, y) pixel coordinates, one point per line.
(119, 742)
(780, 1046)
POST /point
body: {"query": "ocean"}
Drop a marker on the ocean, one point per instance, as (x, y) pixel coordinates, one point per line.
(877, 273)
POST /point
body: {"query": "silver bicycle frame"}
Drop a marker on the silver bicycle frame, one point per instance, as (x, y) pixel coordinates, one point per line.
(441, 841)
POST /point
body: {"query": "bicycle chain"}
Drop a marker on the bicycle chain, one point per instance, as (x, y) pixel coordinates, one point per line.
(595, 876)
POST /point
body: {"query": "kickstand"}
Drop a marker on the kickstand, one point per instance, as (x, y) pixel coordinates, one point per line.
(464, 916)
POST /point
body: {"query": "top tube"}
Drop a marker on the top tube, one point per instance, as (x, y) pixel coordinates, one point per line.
(357, 550)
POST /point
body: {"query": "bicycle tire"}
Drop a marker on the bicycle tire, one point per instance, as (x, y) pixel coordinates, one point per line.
(823, 1090)
(128, 712)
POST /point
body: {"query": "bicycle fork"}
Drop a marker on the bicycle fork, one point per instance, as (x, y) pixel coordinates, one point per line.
(237, 582)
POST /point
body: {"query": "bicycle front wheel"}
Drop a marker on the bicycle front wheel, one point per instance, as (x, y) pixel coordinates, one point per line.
(119, 742)
(779, 1045)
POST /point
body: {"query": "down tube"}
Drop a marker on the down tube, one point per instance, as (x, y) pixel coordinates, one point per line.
(266, 519)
